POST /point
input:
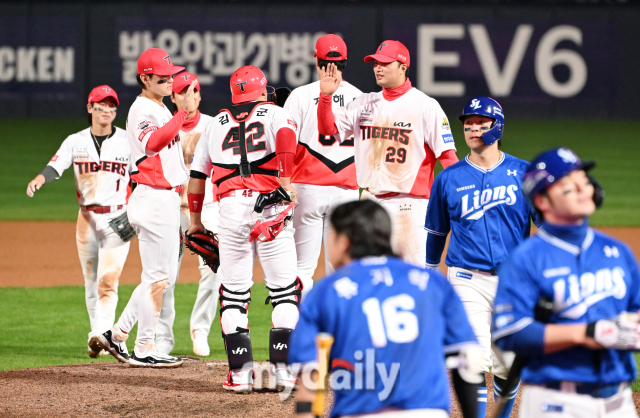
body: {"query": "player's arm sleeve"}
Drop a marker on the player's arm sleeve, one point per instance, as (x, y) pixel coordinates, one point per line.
(332, 122)
(161, 137)
(448, 158)
(63, 158)
(201, 158)
(438, 132)
(284, 129)
(302, 346)
(437, 223)
(514, 325)
(49, 173)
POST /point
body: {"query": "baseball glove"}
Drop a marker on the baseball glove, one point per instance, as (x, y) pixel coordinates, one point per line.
(122, 227)
(206, 246)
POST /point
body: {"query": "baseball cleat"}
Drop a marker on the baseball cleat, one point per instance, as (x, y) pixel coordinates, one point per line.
(284, 378)
(105, 342)
(164, 347)
(201, 346)
(154, 359)
(239, 381)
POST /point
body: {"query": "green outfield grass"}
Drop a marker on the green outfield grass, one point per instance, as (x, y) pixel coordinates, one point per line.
(49, 326)
(29, 144)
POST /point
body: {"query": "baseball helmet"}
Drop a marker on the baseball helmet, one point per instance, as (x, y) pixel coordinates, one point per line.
(550, 166)
(247, 84)
(486, 106)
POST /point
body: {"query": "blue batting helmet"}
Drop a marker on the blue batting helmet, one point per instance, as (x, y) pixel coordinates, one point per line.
(549, 167)
(486, 106)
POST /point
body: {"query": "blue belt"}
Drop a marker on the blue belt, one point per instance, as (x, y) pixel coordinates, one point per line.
(595, 391)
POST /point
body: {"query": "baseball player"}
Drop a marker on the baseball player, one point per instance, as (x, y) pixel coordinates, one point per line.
(100, 159)
(324, 173)
(204, 309)
(480, 201)
(393, 322)
(244, 150)
(580, 363)
(154, 209)
(399, 133)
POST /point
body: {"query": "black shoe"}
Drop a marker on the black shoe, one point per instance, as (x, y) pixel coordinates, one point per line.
(105, 342)
(154, 358)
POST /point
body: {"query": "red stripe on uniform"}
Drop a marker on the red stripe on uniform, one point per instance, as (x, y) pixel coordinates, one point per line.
(150, 172)
(424, 179)
(309, 170)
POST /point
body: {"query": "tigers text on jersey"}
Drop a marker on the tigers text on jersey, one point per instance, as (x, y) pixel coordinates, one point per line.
(597, 280)
(189, 141)
(390, 320)
(219, 147)
(103, 179)
(164, 169)
(321, 160)
(485, 210)
(396, 142)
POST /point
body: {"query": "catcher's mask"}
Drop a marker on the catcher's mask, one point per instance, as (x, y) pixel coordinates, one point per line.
(270, 224)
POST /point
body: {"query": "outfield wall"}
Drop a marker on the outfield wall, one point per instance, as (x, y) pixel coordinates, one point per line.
(539, 62)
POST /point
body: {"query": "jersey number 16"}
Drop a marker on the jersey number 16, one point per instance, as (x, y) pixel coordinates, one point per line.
(391, 320)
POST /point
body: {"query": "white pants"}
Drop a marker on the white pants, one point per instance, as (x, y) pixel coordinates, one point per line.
(542, 402)
(405, 413)
(155, 215)
(311, 223)
(165, 339)
(102, 256)
(237, 256)
(477, 290)
(204, 310)
(408, 236)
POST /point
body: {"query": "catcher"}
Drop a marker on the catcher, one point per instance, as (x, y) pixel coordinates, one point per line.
(248, 151)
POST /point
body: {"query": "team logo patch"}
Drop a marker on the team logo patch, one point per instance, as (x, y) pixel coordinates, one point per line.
(445, 124)
(144, 124)
(346, 288)
(292, 123)
(464, 275)
(54, 158)
(146, 131)
(366, 121)
(447, 138)
(547, 407)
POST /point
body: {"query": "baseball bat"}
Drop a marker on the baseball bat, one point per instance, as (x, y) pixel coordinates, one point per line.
(543, 312)
(324, 341)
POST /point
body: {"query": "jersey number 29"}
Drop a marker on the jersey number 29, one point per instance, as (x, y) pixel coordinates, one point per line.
(391, 320)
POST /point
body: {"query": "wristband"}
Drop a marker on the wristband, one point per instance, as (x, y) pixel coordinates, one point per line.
(303, 407)
(591, 330)
(195, 202)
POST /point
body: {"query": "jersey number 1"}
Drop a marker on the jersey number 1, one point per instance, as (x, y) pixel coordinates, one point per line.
(391, 320)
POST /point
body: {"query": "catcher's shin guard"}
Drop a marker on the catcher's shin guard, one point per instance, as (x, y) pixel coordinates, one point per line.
(285, 302)
(238, 347)
(233, 309)
(279, 345)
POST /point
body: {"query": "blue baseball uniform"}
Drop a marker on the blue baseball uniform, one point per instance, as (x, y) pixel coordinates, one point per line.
(392, 323)
(589, 276)
(488, 217)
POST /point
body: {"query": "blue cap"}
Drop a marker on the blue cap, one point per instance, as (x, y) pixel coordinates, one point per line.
(549, 167)
(486, 106)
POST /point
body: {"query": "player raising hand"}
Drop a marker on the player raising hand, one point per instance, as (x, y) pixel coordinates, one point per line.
(398, 135)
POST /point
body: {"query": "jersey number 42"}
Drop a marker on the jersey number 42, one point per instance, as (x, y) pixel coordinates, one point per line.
(391, 320)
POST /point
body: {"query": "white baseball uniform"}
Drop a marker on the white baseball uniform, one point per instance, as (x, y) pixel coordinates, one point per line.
(397, 143)
(324, 175)
(103, 189)
(154, 212)
(207, 299)
(218, 154)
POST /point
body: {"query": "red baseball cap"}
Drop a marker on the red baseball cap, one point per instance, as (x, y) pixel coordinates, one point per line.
(157, 61)
(183, 80)
(100, 93)
(247, 84)
(390, 51)
(330, 43)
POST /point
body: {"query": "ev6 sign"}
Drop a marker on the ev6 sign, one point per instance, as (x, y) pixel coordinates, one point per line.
(500, 79)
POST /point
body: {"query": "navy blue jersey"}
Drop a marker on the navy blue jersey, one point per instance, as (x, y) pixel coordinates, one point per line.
(595, 281)
(485, 210)
(392, 321)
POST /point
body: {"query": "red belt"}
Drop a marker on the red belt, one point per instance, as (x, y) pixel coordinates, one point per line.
(392, 194)
(243, 192)
(102, 209)
(178, 189)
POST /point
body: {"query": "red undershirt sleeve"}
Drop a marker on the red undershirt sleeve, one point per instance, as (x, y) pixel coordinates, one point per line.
(448, 158)
(326, 118)
(285, 150)
(161, 137)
